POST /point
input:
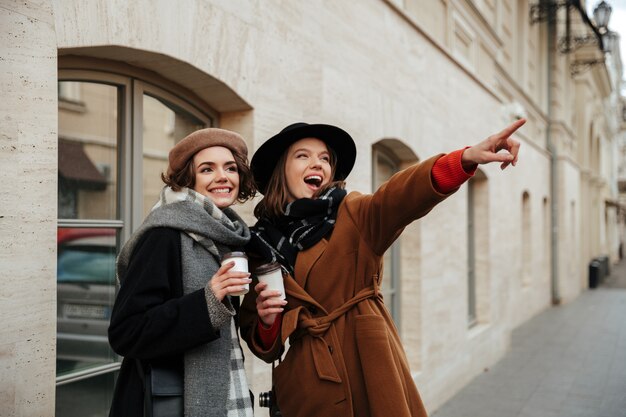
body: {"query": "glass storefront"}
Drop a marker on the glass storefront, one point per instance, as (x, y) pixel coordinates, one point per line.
(106, 188)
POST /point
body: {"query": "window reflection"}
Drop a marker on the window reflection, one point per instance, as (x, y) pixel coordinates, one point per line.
(90, 397)
(163, 125)
(88, 132)
(85, 294)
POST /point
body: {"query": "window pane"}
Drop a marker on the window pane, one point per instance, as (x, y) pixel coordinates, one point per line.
(387, 284)
(88, 397)
(85, 294)
(88, 137)
(385, 168)
(471, 252)
(163, 125)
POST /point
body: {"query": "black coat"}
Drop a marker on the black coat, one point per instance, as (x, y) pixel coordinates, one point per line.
(152, 320)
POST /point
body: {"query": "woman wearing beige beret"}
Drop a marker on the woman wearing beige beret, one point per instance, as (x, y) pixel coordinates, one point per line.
(174, 309)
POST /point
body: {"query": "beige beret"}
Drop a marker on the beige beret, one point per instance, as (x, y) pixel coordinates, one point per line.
(184, 150)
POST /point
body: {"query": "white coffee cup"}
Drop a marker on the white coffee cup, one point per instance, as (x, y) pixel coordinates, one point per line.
(241, 265)
(272, 274)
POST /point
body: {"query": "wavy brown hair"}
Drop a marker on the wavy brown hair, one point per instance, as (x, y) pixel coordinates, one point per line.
(186, 177)
(272, 206)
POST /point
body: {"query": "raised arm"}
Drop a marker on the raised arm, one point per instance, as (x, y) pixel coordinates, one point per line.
(407, 196)
(411, 193)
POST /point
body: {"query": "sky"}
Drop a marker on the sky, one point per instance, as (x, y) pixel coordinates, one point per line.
(617, 23)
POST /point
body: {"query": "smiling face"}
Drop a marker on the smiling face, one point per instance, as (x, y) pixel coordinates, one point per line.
(307, 168)
(216, 175)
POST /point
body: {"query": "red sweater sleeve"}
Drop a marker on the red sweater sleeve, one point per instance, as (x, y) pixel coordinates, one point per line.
(269, 334)
(448, 173)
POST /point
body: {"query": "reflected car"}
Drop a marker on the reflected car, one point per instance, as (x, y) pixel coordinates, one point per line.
(85, 293)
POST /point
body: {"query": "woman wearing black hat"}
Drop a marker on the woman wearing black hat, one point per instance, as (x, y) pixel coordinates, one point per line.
(174, 311)
(345, 357)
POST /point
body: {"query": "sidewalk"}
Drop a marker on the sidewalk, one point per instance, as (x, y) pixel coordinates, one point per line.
(569, 361)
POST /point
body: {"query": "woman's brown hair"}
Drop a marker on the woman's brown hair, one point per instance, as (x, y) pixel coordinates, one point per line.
(272, 206)
(186, 177)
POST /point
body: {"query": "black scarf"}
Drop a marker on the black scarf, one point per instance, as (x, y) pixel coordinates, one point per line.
(305, 222)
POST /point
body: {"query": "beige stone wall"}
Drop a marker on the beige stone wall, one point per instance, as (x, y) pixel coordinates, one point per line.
(435, 75)
(28, 157)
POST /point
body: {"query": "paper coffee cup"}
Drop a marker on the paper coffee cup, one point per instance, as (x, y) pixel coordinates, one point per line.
(241, 265)
(272, 275)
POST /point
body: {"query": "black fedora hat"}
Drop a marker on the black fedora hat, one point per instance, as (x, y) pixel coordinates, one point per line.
(266, 157)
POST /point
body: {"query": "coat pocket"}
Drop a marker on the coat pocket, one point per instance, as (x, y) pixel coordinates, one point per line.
(299, 391)
(382, 370)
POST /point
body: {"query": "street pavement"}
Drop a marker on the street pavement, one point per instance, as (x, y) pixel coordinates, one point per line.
(569, 361)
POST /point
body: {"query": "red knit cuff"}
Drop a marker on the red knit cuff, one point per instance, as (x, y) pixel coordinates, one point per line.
(448, 173)
(269, 334)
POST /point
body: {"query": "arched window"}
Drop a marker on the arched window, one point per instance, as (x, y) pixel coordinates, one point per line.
(115, 132)
(547, 246)
(402, 259)
(526, 240)
(572, 240)
(477, 249)
(385, 165)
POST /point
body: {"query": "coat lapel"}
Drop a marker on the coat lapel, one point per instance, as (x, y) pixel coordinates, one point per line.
(305, 261)
(294, 286)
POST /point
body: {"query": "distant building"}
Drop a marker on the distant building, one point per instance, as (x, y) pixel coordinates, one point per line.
(94, 94)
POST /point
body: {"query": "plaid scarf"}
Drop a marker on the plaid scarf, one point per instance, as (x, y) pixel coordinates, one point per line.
(239, 403)
(305, 222)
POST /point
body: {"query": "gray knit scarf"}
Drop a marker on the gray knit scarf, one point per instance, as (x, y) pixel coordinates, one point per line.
(204, 227)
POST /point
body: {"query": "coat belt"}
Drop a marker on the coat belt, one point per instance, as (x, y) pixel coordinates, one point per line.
(300, 319)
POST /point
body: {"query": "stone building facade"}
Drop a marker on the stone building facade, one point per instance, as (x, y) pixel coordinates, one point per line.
(95, 93)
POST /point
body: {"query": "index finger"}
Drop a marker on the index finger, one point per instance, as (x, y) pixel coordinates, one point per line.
(510, 129)
(225, 267)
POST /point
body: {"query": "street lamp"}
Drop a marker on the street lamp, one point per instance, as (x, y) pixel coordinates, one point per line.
(607, 39)
(547, 10)
(602, 15)
(599, 34)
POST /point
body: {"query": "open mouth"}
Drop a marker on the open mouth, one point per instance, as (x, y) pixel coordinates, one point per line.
(313, 181)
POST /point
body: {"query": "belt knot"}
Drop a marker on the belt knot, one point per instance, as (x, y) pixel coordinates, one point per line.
(300, 319)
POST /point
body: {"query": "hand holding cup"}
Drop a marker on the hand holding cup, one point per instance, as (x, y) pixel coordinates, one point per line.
(271, 293)
(230, 280)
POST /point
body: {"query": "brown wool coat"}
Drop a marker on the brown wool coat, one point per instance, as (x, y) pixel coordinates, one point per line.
(345, 356)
